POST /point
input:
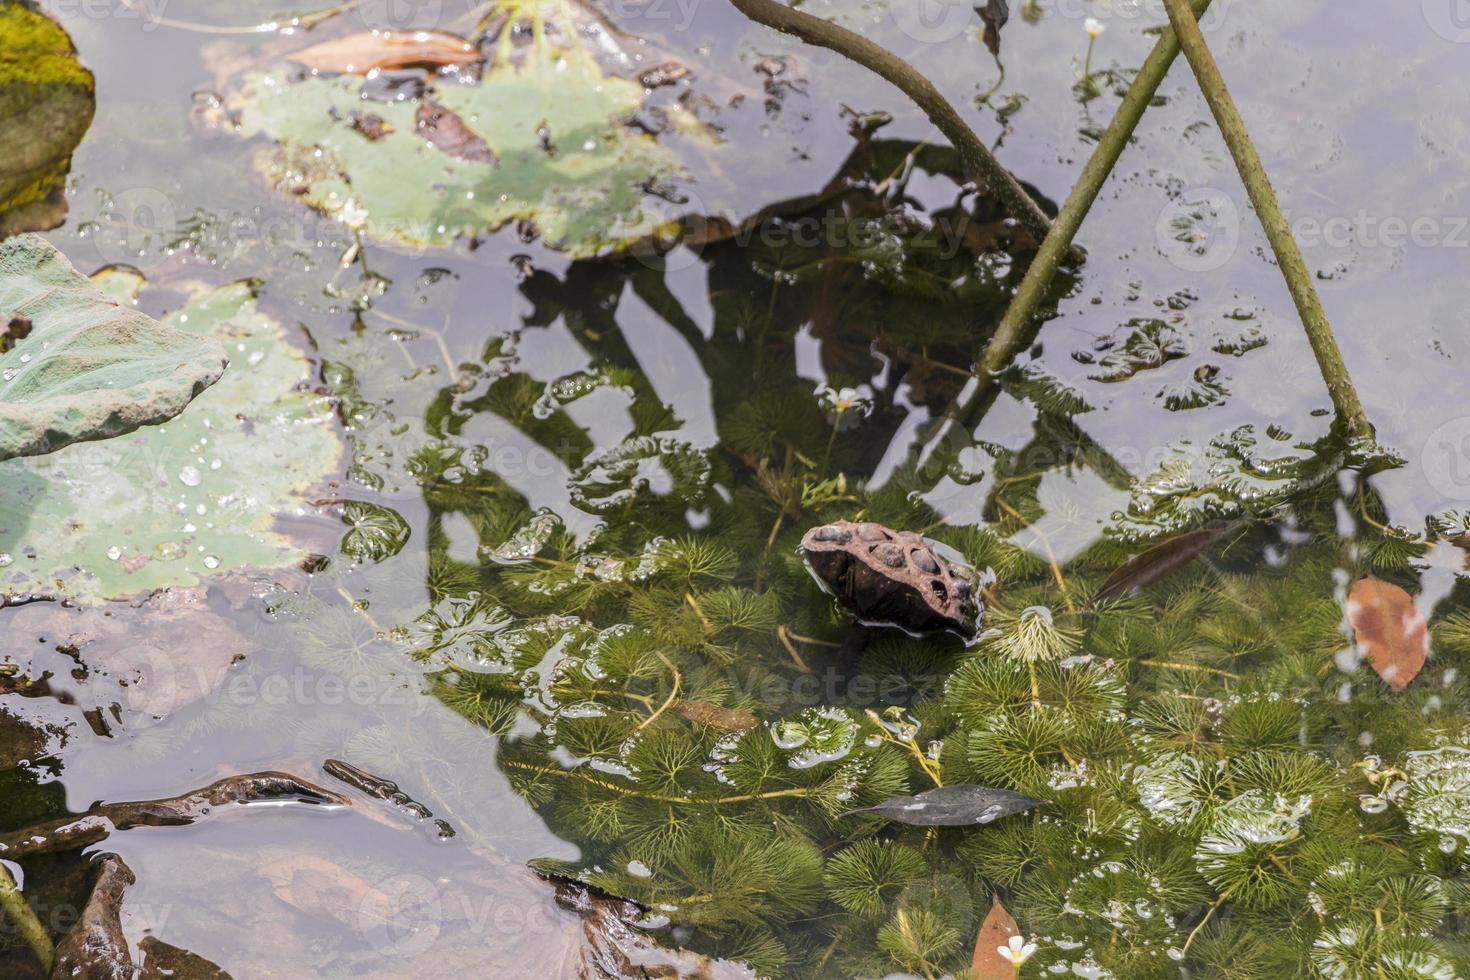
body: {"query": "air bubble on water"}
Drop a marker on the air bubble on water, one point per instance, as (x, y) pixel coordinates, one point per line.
(873, 741)
(210, 561)
(1176, 954)
(190, 477)
(6, 558)
(114, 553)
(216, 464)
(9, 374)
(25, 358)
(1448, 844)
(639, 869)
(1369, 803)
(189, 528)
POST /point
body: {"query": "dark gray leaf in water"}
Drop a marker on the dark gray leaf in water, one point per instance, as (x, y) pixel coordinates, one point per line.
(952, 806)
(1158, 562)
(994, 13)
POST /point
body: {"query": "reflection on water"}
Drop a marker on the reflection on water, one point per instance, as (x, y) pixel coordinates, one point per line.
(554, 594)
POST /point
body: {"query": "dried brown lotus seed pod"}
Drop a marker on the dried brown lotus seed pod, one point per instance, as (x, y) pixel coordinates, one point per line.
(892, 578)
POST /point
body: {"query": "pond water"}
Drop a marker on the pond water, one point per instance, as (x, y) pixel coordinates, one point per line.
(518, 531)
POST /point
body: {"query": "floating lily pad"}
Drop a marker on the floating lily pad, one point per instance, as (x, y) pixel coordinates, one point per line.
(375, 533)
(80, 367)
(171, 504)
(542, 138)
(46, 104)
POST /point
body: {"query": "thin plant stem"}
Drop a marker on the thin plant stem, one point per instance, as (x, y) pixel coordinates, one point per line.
(299, 21)
(979, 163)
(1258, 185)
(23, 917)
(1016, 326)
(673, 695)
(1210, 912)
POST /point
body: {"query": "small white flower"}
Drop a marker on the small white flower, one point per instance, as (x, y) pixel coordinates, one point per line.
(845, 408)
(1094, 27)
(353, 215)
(1017, 950)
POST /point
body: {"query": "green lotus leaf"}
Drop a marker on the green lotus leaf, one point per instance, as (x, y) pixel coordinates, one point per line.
(171, 504)
(79, 366)
(46, 104)
(375, 533)
(540, 139)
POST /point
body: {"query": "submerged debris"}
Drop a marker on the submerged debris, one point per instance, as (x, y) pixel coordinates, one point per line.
(18, 328)
(892, 578)
(387, 791)
(98, 823)
(951, 806)
(96, 947)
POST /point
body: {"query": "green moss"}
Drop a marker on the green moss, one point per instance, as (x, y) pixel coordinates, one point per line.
(34, 50)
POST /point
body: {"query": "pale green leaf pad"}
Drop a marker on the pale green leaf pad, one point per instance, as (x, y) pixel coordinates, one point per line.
(566, 163)
(90, 369)
(172, 504)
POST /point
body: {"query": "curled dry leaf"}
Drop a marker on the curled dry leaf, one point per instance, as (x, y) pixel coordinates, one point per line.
(1389, 629)
(995, 932)
(994, 14)
(358, 54)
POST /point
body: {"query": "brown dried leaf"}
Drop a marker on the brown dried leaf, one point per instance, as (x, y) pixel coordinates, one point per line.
(994, 13)
(448, 133)
(704, 713)
(1158, 562)
(1389, 629)
(995, 932)
(358, 54)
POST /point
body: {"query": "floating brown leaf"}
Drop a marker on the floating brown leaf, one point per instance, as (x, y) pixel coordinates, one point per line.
(358, 54)
(994, 13)
(1153, 565)
(449, 134)
(704, 713)
(995, 932)
(1389, 629)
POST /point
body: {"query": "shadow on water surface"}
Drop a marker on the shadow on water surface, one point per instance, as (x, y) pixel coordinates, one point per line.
(556, 597)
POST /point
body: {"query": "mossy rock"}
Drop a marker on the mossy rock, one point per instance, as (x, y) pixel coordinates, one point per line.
(47, 100)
